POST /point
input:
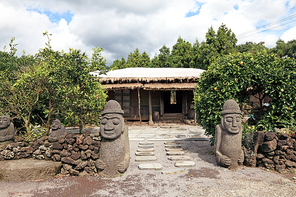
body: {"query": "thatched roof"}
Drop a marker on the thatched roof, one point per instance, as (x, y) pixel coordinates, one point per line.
(150, 78)
(150, 86)
(122, 86)
(169, 86)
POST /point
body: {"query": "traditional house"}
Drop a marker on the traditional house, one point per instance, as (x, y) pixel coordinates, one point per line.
(151, 92)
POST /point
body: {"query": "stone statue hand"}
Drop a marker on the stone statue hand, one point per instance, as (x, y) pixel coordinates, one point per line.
(241, 158)
(121, 167)
(100, 164)
(225, 160)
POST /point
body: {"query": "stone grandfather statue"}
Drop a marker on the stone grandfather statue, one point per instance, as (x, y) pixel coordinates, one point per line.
(114, 153)
(6, 128)
(57, 130)
(228, 137)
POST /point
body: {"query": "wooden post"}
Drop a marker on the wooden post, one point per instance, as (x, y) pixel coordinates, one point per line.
(150, 109)
(161, 104)
(139, 105)
(194, 111)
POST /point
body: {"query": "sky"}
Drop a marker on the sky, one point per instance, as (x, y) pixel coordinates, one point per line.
(121, 26)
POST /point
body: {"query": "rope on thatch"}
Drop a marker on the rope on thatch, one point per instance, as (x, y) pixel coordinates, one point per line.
(110, 80)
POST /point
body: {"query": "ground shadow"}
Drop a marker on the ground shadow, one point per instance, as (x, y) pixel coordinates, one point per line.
(203, 149)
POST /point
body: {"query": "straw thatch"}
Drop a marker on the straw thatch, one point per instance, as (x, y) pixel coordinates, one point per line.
(150, 78)
(169, 86)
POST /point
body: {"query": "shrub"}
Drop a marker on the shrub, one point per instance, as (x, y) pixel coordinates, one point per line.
(237, 76)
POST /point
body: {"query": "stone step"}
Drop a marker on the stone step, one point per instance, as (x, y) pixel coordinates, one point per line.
(144, 153)
(179, 158)
(173, 171)
(173, 149)
(171, 143)
(145, 135)
(180, 136)
(197, 139)
(150, 166)
(185, 164)
(175, 153)
(146, 143)
(172, 146)
(145, 158)
(146, 146)
(163, 136)
(145, 150)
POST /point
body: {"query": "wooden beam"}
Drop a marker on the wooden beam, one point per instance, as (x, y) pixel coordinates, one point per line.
(150, 109)
(139, 105)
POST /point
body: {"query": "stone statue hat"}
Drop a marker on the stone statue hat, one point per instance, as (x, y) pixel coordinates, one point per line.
(230, 107)
(112, 107)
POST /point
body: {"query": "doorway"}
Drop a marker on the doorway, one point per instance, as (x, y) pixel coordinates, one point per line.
(172, 101)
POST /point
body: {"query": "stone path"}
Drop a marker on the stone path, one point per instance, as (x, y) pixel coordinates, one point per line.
(168, 133)
(169, 157)
(174, 153)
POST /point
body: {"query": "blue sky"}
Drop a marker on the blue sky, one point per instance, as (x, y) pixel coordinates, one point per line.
(121, 26)
(55, 17)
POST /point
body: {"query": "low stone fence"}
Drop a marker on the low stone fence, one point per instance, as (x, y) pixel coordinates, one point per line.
(272, 150)
(77, 152)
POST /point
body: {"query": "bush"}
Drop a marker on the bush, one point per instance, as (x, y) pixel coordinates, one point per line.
(237, 76)
(52, 84)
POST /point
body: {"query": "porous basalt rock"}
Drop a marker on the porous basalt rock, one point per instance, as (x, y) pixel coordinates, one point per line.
(7, 131)
(251, 144)
(57, 130)
(277, 152)
(228, 137)
(59, 151)
(114, 152)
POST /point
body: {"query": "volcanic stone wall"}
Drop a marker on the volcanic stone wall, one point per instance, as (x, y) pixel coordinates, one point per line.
(272, 150)
(77, 152)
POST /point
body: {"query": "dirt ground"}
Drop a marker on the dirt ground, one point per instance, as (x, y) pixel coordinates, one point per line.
(204, 179)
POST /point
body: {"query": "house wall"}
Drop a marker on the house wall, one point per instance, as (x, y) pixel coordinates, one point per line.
(128, 99)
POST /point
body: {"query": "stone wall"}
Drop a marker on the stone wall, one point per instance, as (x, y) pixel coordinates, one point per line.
(77, 152)
(272, 150)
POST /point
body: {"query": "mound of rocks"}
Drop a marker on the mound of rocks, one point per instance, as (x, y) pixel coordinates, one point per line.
(76, 152)
(272, 150)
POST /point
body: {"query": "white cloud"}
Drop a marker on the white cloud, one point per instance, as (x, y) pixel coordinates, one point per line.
(270, 40)
(121, 26)
(289, 35)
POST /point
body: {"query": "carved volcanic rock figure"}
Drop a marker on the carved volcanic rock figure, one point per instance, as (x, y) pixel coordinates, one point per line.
(57, 130)
(228, 136)
(114, 152)
(6, 128)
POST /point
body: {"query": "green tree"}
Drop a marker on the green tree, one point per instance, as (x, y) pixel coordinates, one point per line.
(134, 59)
(20, 98)
(237, 76)
(163, 59)
(283, 49)
(196, 56)
(145, 59)
(216, 45)
(180, 55)
(118, 64)
(251, 47)
(71, 92)
(51, 85)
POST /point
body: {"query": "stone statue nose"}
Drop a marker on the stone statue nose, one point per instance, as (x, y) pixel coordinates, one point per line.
(109, 125)
(234, 123)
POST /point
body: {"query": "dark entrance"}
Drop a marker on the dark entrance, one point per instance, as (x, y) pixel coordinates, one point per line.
(172, 108)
